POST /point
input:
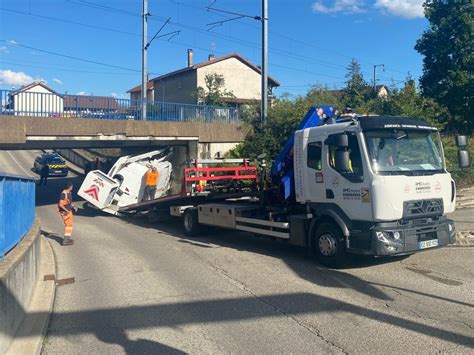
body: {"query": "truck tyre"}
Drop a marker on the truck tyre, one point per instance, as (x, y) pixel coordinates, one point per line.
(329, 246)
(190, 222)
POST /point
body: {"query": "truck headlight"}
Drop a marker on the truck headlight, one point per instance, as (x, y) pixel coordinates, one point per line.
(396, 235)
(389, 237)
(382, 236)
(451, 232)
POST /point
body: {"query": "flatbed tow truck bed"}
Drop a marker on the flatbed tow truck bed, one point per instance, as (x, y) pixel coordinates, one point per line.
(179, 199)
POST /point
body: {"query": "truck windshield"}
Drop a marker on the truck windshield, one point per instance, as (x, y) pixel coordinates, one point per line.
(404, 152)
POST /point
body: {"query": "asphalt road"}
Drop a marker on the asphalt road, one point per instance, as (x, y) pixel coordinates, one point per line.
(142, 288)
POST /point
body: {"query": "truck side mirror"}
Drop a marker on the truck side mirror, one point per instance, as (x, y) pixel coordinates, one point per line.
(461, 141)
(464, 160)
(341, 160)
(341, 140)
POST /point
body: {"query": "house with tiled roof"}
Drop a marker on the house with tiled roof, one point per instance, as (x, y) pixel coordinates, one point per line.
(81, 105)
(241, 77)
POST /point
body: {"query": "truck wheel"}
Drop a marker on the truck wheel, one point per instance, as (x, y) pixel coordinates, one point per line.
(190, 222)
(329, 247)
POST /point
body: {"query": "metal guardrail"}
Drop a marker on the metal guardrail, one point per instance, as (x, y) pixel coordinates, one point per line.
(17, 210)
(25, 103)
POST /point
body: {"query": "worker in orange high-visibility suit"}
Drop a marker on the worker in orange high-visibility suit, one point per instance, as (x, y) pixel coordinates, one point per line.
(66, 209)
(151, 180)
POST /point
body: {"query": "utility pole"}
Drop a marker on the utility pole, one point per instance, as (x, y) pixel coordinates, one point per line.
(144, 58)
(264, 71)
(375, 80)
(264, 76)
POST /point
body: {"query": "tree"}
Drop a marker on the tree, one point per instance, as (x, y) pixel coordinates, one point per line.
(282, 120)
(448, 50)
(408, 102)
(214, 94)
(356, 89)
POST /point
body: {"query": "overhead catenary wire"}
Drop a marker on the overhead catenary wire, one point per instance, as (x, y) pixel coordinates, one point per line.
(69, 56)
(242, 42)
(65, 69)
(105, 7)
(214, 34)
(250, 44)
(136, 34)
(296, 40)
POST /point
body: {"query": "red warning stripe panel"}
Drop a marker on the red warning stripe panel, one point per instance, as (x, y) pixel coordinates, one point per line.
(227, 173)
(212, 178)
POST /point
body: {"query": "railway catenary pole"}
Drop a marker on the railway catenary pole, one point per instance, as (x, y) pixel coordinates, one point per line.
(264, 76)
(144, 59)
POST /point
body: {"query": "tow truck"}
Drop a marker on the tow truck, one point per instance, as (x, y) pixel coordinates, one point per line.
(370, 185)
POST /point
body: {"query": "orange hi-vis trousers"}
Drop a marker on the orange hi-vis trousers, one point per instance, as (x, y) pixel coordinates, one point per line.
(68, 223)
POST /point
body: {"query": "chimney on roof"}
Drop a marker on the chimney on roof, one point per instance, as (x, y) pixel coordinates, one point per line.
(190, 57)
(210, 57)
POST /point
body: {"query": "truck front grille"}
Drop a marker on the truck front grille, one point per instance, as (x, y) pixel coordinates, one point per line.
(423, 208)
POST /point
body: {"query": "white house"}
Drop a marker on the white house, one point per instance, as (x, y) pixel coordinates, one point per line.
(36, 99)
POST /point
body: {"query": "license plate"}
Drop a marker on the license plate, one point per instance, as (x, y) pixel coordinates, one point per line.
(428, 244)
(58, 171)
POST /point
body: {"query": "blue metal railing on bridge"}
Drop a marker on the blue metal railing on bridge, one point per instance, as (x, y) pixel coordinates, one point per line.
(17, 209)
(25, 103)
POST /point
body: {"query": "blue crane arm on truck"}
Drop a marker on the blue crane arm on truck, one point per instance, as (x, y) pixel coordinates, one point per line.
(282, 169)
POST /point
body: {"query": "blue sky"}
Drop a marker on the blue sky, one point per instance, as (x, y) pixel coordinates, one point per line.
(311, 41)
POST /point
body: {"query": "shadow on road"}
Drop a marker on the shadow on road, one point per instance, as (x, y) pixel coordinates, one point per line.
(53, 236)
(296, 258)
(139, 346)
(109, 324)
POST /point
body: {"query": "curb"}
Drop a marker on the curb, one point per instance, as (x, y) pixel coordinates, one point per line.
(32, 331)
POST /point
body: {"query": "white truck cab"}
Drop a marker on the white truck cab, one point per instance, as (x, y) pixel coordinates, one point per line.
(124, 184)
(382, 180)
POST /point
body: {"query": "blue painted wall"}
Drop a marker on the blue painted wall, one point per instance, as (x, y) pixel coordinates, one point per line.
(17, 209)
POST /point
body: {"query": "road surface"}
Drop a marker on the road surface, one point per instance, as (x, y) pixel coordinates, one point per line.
(142, 288)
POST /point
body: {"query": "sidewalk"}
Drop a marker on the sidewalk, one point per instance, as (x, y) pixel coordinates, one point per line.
(32, 331)
(464, 220)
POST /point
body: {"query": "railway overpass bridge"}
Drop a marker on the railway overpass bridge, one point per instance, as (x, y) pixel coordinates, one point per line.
(201, 139)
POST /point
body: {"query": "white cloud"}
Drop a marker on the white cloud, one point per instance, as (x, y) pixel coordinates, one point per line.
(57, 81)
(9, 77)
(118, 96)
(344, 6)
(403, 8)
(4, 49)
(12, 41)
(82, 93)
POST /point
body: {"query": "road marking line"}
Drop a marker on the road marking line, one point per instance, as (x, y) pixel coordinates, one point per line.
(19, 165)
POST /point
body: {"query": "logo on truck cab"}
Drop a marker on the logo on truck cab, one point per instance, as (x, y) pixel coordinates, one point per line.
(93, 192)
(422, 187)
